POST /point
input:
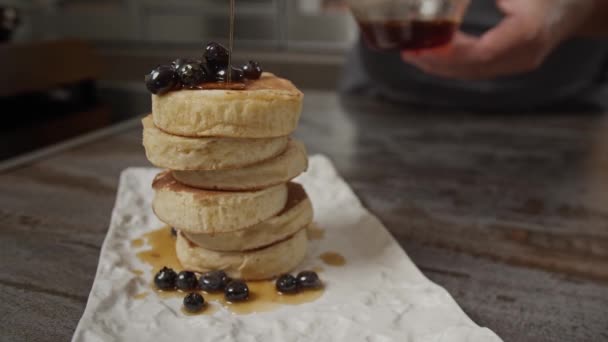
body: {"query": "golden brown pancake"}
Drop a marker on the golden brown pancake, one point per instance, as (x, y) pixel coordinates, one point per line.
(258, 264)
(297, 214)
(280, 169)
(183, 153)
(268, 107)
(204, 211)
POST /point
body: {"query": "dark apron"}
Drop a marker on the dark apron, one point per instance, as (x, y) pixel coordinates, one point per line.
(575, 71)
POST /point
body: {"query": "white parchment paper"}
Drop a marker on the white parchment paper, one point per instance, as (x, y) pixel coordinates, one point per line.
(378, 296)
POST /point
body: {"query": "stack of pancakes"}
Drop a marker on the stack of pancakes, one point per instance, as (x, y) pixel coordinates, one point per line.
(228, 189)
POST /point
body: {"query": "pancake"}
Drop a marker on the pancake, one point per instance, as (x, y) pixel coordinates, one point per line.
(202, 211)
(184, 153)
(296, 215)
(271, 172)
(268, 107)
(257, 264)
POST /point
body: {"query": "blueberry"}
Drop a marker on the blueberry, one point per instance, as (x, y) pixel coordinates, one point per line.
(191, 75)
(308, 280)
(236, 291)
(194, 302)
(213, 281)
(222, 76)
(178, 63)
(238, 75)
(186, 281)
(165, 279)
(161, 80)
(225, 278)
(216, 56)
(210, 282)
(252, 70)
(287, 283)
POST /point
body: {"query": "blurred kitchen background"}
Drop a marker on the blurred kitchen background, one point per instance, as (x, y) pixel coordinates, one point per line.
(72, 66)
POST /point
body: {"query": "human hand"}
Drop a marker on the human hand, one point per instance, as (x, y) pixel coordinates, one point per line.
(520, 43)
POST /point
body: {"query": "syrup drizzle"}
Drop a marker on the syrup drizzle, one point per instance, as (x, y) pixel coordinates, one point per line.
(333, 259)
(162, 250)
(137, 272)
(315, 232)
(137, 243)
(231, 40)
(141, 295)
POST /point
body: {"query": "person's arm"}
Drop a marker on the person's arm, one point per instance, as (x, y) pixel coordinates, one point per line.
(519, 43)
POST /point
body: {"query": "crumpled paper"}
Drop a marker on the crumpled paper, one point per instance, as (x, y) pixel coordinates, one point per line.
(378, 296)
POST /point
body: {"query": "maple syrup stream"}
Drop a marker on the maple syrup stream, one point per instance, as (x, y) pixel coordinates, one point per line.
(231, 40)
